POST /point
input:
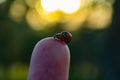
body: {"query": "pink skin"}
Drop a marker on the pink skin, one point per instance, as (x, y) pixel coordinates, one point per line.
(50, 60)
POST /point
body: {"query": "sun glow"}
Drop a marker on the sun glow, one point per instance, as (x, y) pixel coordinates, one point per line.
(67, 6)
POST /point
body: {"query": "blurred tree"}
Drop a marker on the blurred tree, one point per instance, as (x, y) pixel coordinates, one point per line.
(12, 38)
(111, 58)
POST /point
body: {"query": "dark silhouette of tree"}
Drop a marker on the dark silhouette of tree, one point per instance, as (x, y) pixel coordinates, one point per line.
(111, 58)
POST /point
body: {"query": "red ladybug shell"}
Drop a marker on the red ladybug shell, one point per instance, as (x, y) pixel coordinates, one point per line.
(63, 36)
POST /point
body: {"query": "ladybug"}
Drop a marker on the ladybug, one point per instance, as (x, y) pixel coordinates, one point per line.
(63, 36)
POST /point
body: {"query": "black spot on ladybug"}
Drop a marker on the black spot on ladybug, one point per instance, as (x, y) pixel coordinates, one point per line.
(63, 36)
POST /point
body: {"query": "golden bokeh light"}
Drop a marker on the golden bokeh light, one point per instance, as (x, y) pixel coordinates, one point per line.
(73, 14)
(48, 17)
(100, 17)
(75, 22)
(67, 6)
(34, 20)
(2, 1)
(31, 3)
(49, 5)
(17, 10)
